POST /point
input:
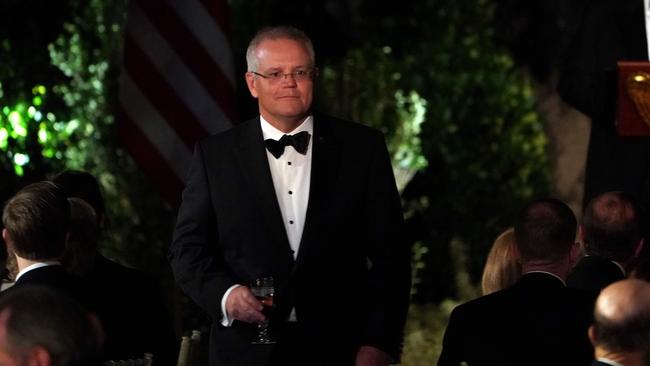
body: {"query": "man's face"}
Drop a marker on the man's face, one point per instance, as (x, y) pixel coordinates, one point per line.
(286, 101)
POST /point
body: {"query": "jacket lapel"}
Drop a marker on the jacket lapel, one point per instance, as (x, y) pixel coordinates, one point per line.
(324, 173)
(255, 167)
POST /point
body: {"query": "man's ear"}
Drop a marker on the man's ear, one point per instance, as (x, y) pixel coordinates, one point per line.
(39, 356)
(581, 234)
(250, 82)
(639, 247)
(7, 238)
(575, 253)
(591, 332)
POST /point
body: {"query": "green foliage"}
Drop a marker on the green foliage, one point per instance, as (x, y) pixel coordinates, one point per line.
(88, 53)
(424, 330)
(29, 133)
(371, 93)
(468, 147)
(66, 121)
(484, 141)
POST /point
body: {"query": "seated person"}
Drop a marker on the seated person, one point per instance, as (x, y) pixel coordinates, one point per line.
(538, 320)
(621, 330)
(41, 326)
(36, 222)
(611, 237)
(131, 305)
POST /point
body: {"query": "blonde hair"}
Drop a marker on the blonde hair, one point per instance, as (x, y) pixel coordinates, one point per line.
(502, 269)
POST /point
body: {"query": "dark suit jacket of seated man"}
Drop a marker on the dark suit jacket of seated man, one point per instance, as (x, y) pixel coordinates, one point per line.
(343, 295)
(36, 221)
(537, 321)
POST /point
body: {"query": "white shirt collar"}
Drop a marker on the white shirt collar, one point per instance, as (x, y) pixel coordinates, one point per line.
(36, 265)
(609, 362)
(270, 132)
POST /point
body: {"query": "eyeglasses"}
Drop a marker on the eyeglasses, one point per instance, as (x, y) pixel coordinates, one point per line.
(276, 76)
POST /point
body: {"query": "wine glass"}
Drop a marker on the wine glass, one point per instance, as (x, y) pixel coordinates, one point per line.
(262, 288)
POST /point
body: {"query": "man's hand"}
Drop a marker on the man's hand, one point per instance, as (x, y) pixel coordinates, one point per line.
(242, 305)
(371, 356)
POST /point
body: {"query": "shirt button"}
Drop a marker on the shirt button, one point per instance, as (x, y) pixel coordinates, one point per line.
(290, 192)
(288, 163)
(291, 222)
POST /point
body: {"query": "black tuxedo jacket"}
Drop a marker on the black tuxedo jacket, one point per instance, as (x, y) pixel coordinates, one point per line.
(593, 273)
(600, 363)
(537, 321)
(350, 282)
(56, 277)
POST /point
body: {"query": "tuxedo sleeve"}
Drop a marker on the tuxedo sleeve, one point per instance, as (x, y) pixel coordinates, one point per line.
(389, 275)
(195, 254)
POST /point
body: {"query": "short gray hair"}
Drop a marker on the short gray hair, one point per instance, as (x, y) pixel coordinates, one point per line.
(279, 32)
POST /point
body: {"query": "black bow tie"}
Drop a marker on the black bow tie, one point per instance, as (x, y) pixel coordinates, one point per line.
(299, 141)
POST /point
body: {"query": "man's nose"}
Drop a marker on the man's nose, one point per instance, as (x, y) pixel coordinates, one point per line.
(289, 78)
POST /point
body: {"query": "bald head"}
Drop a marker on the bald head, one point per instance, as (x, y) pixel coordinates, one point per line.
(622, 316)
(611, 227)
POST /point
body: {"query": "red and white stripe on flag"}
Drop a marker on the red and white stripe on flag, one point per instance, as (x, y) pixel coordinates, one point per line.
(176, 85)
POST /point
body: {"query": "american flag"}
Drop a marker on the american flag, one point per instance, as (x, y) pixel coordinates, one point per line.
(176, 85)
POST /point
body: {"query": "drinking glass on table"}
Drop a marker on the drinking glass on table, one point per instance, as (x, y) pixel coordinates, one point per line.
(262, 288)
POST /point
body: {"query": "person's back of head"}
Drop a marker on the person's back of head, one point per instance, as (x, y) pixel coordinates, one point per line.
(502, 268)
(545, 231)
(621, 328)
(44, 327)
(81, 246)
(611, 227)
(80, 184)
(36, 221)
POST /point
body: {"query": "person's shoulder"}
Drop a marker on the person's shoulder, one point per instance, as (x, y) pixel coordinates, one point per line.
(580, 297)
(344, 126)
(594, 272)
(480, 304)
(229, 135)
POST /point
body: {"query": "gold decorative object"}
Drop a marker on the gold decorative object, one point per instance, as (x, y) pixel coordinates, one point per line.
(638, 87)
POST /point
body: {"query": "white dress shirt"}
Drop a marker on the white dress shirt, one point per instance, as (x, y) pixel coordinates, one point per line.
(291, 174)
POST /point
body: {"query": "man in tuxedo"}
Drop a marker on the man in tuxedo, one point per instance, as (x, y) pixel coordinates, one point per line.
(36, 222)
(307, 199)
(621, 330)
(609, 31)
(538, 320)
(611, 236)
